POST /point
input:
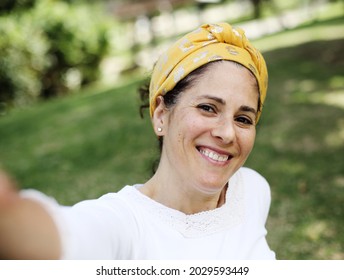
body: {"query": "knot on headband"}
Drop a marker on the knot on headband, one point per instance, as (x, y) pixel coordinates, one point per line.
(208, 43)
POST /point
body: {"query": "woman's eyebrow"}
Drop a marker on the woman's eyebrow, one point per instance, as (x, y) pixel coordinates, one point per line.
(244, 108)
(248, 109)
(217, 99)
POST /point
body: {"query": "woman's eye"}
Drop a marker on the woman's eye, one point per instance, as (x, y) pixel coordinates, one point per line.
(244, 120)
(207, 108)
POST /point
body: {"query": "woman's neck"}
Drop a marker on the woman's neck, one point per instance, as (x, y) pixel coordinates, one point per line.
(180, 196)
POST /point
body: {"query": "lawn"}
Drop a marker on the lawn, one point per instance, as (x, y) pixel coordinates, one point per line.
(93, 142)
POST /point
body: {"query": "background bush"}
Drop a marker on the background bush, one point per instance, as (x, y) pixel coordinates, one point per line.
(49, 49)
(23, 60)
(12, 5)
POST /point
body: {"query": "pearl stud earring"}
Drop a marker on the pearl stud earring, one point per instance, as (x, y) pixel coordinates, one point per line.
(159, 129)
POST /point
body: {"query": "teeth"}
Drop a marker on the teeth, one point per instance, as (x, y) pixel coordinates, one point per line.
(214, 156)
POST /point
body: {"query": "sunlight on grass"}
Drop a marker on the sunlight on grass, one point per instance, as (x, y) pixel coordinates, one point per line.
(296, 37)
(307, 94)
(318, 230)
(331, 12)
(336, 138)
(335, 99)
(315, 230)
(339, 181)
(337, 81)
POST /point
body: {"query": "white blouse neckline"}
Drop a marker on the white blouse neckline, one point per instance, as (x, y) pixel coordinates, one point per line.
(230, 214)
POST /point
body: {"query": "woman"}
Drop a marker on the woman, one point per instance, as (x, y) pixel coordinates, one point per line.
(205, 99)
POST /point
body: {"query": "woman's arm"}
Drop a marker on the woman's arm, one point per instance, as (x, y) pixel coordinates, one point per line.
(26, 229)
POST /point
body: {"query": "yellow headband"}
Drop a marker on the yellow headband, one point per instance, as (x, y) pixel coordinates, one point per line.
(208, 43)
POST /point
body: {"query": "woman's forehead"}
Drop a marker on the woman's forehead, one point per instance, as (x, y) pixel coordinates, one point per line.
(225, 77)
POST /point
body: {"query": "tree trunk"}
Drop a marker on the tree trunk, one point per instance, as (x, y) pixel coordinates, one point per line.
(256, 7)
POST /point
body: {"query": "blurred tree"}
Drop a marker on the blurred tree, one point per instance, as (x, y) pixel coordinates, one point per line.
(257, 4)
(50, 48)
(78, 42)
(23, 60)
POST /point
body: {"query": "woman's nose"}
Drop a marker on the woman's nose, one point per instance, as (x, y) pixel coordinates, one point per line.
(224, 131)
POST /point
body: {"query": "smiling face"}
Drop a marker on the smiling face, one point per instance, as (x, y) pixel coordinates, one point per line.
(210, 132)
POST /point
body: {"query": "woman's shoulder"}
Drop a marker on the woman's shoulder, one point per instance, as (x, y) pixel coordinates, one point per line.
(257, 189)
(255, 183)
(252, 176)
(109, 201)
(121, 198)
(126, 193)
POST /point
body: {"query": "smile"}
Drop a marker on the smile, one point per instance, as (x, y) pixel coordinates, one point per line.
(211, 154)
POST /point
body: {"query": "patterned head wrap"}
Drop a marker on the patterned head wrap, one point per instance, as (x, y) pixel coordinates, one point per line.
(208, 43)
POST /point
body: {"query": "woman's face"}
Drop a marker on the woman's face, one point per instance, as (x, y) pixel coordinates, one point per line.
(210, 132)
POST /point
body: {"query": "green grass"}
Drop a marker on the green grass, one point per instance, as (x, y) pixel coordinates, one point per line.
(79, 147)
(300, 143)
(87, 144)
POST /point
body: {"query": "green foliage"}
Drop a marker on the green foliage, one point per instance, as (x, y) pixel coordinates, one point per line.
(78, 41)
(12, 5)
(23, 60)
(49, 49)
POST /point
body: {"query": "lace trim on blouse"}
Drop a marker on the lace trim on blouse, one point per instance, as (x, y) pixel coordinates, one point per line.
(230, 214)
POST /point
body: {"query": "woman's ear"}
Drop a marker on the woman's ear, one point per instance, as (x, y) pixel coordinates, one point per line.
(159, 117)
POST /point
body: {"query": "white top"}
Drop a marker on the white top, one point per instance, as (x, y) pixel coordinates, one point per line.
(130, 225)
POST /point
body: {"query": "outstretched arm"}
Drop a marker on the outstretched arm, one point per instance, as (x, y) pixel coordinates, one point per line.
(27, 231)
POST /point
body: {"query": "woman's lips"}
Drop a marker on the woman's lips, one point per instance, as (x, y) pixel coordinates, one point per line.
(214, 155)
